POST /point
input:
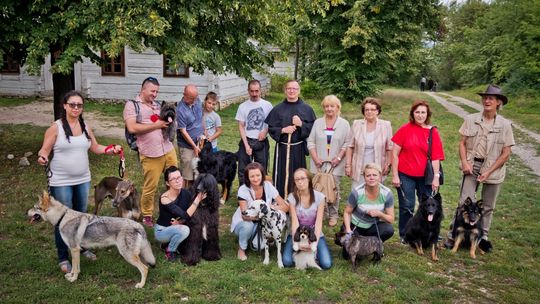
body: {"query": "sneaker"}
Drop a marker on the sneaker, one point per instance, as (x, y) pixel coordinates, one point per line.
(89, 255)
(171, 256)
(65, 266)
(148, 222)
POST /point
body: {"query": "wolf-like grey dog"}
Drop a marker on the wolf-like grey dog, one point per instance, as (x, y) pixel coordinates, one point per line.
(81, 230)
(360, 246)
(168, 113)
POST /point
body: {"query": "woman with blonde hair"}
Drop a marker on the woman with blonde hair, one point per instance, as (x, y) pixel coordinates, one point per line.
(327, 144)
(370, 142)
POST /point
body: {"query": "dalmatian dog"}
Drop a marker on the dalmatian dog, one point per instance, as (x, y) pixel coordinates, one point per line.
(273, 222)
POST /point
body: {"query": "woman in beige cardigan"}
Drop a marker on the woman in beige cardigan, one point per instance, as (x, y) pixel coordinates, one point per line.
(369, 142)
(327, 144)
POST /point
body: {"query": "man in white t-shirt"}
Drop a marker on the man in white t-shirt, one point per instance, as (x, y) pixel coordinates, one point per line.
(254, 145)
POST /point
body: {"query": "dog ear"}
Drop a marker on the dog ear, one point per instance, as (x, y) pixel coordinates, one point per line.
(480, 204)
(296, 236)
(312, 237)
(467, 201)
(264, 209)
(438, 197)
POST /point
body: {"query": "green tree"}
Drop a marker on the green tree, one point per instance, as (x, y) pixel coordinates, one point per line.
(359, 42)
(221, 36)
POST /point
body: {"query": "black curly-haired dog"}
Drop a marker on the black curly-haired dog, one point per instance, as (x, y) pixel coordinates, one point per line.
(422, 230)
(222, 165)
(203, 239)
(168, 113)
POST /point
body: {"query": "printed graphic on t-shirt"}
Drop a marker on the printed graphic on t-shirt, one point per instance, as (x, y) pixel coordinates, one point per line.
(255, 119)
(210, 124)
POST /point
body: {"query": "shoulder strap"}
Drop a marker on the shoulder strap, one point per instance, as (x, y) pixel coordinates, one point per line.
(429, 142)
(138, 119)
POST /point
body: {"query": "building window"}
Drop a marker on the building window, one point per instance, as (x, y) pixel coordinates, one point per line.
(174, 70)
(9, 65)
(113, 66)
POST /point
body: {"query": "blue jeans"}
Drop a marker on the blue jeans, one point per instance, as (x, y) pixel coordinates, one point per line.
(74, 197)
(245, 230)
(407, 199)
(324, 257)
(174, 235)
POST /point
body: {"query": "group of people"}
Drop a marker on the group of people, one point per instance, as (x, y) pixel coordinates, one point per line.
(366, 152)
(429, 84)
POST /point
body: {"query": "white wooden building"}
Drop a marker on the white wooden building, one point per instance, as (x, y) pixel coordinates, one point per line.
(121, 78)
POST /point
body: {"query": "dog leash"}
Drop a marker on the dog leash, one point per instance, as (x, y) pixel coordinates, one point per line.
(122, 163)
(48, 175)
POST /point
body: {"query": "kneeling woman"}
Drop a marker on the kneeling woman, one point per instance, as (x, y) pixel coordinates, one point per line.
(175, 208)
(254, 188)
(370, 209)
(307, 209)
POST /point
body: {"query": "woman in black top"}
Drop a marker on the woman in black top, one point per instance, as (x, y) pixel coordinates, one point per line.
(175, 209)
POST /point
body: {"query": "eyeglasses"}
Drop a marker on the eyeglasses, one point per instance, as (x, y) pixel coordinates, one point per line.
(76, 105)
(175, 179)
(298, 179)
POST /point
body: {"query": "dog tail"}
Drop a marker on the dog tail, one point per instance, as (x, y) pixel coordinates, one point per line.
(146, 250)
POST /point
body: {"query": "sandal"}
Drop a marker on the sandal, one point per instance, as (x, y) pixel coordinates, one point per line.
(89, 255)
(65, 266)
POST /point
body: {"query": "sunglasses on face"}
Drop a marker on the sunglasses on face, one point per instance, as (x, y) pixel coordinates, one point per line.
(75, 105)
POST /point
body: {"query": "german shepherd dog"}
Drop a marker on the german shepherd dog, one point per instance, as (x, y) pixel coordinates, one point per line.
(124, 196)
(422, 230)
(358, 246)
(467, 228)
(82, 230)
(305, 237)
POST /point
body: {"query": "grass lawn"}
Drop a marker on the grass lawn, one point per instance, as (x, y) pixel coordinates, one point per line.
(510, 274)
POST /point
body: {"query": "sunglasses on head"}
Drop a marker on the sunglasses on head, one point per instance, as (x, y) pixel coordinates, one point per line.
(150, 79)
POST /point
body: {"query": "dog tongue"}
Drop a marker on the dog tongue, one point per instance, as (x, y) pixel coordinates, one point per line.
(170, 119)
(430, 217)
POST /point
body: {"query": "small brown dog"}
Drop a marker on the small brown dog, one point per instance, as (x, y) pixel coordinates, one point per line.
(123, 193)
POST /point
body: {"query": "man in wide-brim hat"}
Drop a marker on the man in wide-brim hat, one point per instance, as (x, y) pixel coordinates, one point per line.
(485, 147)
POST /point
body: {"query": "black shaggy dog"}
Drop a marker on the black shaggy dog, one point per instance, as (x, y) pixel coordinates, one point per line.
(467, 226)
(168, 113)
(221, 164)
(203, 239)
(423, 228)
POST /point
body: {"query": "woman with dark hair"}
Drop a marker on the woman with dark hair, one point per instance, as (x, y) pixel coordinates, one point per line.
(254, 188)
(306, 209)
(370, 142)
(175, 208)
(409, 157)
(69, 138)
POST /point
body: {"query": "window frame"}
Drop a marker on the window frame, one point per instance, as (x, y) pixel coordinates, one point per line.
(166, 70)
(109, 61)
(7, 62)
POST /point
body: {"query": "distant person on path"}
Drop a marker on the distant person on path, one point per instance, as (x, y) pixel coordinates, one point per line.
(430, 84)
(155, 152)
(291, 117)
(253, 145)
(190, 128)
(423, 84)
(485, 147)
(211, 120)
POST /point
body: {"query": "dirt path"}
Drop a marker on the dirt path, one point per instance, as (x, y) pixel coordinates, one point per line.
(40, 113)
(526, 152)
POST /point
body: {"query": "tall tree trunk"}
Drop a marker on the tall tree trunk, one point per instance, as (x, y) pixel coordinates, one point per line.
(62, 83)
(297, 55)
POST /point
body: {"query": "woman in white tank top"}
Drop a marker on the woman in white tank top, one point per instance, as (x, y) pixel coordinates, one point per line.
(70, 138)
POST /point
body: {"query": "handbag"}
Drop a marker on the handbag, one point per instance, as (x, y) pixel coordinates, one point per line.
(428, 172)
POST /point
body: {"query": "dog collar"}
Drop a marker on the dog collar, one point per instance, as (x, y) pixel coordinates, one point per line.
(61, 218)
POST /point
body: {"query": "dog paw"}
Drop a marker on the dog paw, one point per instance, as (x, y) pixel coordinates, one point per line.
(71, 277)
(266, 262)
(280, 265)
(139, 285)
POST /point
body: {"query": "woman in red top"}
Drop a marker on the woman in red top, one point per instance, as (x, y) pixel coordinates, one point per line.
(409, 157)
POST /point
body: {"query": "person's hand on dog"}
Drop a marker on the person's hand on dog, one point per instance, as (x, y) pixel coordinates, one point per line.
(161, 124)
(200, 196)
(176, 221)
(348, 236)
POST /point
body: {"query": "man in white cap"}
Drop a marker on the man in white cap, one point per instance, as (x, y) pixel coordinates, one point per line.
(485, 147)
